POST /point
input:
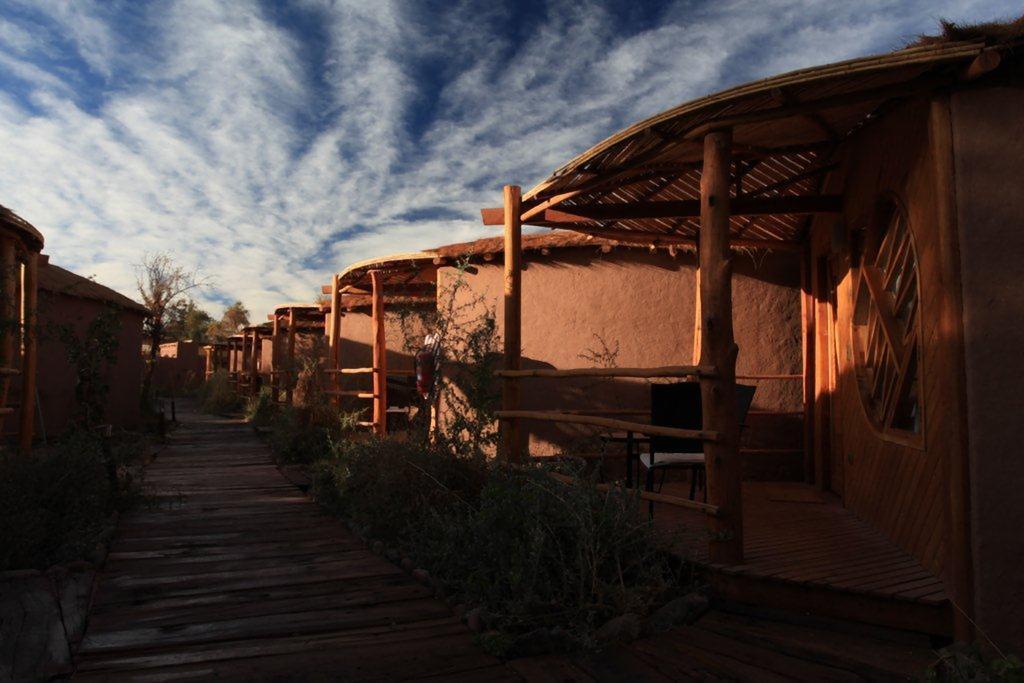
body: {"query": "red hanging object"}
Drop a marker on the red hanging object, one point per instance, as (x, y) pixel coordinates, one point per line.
(425, 371)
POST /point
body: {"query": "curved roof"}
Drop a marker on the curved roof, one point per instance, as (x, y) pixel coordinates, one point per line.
(59, 280)
(785, 132)
(12, 221)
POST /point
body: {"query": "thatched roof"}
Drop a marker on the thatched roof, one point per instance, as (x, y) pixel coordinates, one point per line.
(25, 231)
(991, 33)
(60, 281)
(643, 183)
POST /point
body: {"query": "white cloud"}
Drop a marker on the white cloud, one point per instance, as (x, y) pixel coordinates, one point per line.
(267, 157)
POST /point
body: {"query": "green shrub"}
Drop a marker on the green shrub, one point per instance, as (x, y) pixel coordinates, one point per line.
(259, 409)
(54, 502)
(532, 551)
(295, 438)
(217, 396)
(960, 662)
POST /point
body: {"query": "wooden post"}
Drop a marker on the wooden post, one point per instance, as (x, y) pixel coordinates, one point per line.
(807, 310)
(380, 357)
(718, 349)
(275, 359)
(334, 336)
(511, 437)
(8, 312)
(30, 361)
(958, 470)
(208, 362)
(289, 394)
(254, 366)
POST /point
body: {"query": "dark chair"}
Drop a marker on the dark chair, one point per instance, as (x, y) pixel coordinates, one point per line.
(679, 405)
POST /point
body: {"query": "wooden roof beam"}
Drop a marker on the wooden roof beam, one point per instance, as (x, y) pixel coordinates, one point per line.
(687, 208)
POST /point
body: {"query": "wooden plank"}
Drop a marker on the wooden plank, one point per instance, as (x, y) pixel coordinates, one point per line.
(647, 495)
(610, 423)
(665, 371)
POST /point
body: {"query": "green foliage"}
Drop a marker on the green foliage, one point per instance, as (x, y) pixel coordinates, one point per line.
(90, 355)
(217, 396)
(962, 662)
(295, 438)
(54, 503)
(186, 321)
(534, 552)
(235, 317)
(259, 409)
(464, 330)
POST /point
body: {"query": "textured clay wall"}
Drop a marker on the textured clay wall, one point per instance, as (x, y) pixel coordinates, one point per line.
(357, 352)
(56, 377)
(180, 365)
(988, 134)
(632, 308)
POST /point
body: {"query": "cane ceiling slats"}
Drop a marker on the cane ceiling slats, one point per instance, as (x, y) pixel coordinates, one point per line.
(784, 131)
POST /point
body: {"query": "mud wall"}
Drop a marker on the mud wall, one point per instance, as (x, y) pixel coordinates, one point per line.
(633, 308)
(56, 376)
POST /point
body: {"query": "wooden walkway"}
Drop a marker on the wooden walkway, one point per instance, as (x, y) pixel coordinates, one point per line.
(806, 547)
(238, 576)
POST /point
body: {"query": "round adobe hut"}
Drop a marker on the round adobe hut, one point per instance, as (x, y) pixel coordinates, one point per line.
(20, 244)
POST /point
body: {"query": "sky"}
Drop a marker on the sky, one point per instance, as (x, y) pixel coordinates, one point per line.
(268, 145)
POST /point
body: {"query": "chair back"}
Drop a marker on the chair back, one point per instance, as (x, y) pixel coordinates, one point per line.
(679, 405)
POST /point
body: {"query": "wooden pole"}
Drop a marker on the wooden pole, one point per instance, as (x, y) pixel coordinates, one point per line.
(380, 356)
(718, 348)
(30, 360)
(289, 394)
(807, 334)
(8, 311)
(334, 362)
(254, 364)
(958, 471)
(511, 437)
(275, 359)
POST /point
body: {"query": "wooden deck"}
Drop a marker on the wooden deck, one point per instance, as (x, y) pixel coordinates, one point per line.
(238, 576)
(803, 550)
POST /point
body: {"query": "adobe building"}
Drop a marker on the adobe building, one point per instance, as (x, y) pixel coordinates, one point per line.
(68, 300)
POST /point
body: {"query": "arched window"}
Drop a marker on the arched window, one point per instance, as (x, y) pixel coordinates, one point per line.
(886, 324)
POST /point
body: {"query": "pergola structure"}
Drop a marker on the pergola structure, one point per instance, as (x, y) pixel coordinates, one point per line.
(741, 169)
(287, 322)
(20, 244)
(406, 279)
(245, 359)
(216, 357)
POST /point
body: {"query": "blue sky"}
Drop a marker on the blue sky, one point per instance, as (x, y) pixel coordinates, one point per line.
(270, 144)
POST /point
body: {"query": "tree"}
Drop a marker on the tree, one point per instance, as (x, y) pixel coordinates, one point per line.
(187, 322)
(236, 316)
(162, 283)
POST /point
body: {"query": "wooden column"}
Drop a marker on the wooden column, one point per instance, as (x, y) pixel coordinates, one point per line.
(960, 556)
(275, 359)
(254, 364)
(334, 337)
(511, 437)
(807, 310)
(208, 362)
(380, 356)
(30, 360)
(718, 349)
(292, 374)
(8, 313)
